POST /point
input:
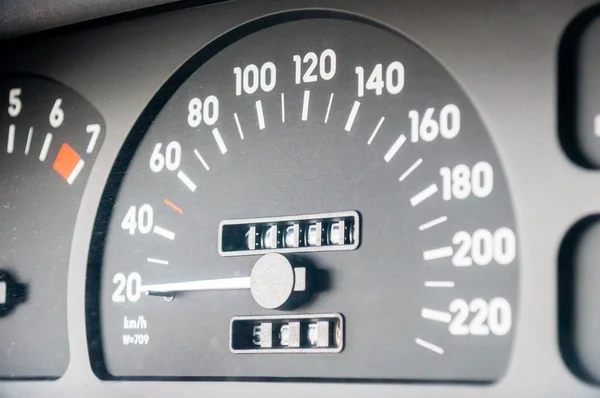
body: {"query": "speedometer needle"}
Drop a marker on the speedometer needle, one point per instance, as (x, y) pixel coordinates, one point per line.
(212, 284)
(272, 281)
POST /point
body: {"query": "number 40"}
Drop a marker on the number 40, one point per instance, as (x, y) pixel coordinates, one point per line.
(141, 220)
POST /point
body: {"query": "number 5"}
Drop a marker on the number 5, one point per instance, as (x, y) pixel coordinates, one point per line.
(14, 102)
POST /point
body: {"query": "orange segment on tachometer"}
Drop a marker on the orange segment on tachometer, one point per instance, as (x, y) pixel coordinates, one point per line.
(68, 163)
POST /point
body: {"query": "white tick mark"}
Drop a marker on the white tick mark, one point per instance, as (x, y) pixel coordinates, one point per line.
(372, 137)
(439, 284)
(165, 233)
(10, 145)
(435, 315)
(429, 346)
(433, 223)
(186, 180)
(305, 103)
(29, 137)
(410, 170)
(237, 122)
(45, 147)
(328, 108)
(201, 159)
(157, 261)
(260, 115)
(352, 116)
(435, 254)
(395, 148)
(424, 194)
(75, 172)
(219, 140)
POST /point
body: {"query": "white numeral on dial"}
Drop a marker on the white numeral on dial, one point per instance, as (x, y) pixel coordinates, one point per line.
(57, 115)
(128, 287)
(461, 181)
(171, 159)
(393, 81)
(14, 102)
(141, 220)
(326, 62)
(196, 113)
(483, 247)
(494, 317)
(428, 128)
(250, 78)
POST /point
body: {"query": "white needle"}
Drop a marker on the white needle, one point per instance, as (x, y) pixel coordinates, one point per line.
(212, 284)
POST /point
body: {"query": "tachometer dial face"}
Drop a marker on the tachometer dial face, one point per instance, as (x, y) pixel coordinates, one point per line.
(317, 199)
(49, 138)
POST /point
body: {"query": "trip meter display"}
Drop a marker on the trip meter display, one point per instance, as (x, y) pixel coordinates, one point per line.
(312, 196)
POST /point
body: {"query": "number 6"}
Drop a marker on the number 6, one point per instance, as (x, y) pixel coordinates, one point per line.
(57, 115)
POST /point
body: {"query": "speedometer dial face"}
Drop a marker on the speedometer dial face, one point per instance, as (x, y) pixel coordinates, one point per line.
(316, 199)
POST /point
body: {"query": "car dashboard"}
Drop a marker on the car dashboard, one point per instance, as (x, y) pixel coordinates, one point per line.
(300, 197)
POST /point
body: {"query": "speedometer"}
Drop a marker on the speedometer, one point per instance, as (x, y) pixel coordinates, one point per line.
(332, 208)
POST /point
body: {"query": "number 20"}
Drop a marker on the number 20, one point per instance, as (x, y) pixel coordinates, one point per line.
(128, 287)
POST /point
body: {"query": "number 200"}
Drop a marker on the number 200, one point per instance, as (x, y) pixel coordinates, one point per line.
(484, 246)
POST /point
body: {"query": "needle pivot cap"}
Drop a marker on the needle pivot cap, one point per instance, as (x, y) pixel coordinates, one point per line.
(272, 281)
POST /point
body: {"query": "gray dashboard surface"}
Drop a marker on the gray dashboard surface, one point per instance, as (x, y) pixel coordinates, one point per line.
(504, 54)
(19, 17)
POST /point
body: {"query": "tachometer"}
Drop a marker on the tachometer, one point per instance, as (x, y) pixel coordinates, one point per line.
(49, 139)
(315, 199)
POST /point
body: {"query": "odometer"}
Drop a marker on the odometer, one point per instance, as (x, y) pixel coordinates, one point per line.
(317, 198)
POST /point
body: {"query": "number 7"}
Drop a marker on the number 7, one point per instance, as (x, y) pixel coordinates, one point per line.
(94, 130)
